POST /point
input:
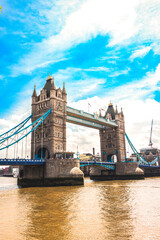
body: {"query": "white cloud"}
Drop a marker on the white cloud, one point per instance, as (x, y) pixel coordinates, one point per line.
(140, 53)
(84, 86)
(1, 77)
(83, 137)
(140, 88)
(125, 21)
(3, 30)
(97, 69)
(120, 72)
(94, 86)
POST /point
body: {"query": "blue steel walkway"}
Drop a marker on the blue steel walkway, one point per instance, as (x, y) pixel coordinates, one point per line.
(14, 162)
(88, 120)
(109, 165)
(18, 161)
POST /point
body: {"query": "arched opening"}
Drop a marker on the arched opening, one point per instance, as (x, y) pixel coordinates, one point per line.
(43, 153)
(109, 158)
(112, 158)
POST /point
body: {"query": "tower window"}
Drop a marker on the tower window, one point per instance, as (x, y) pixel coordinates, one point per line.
(109, 136)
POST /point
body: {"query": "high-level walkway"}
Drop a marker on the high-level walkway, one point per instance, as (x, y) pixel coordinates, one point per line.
(88, 120)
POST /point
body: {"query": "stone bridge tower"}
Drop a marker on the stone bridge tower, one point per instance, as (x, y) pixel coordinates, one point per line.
(50, 136)
(112, 140)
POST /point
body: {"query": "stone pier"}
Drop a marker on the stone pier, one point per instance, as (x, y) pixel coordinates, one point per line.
(56, 172)
(123, 171)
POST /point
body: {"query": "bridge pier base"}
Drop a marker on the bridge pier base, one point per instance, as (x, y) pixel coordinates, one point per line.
(128, 170)
(123, 171)
(60, 172)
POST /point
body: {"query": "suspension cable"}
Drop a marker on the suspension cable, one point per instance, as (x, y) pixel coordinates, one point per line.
(141, 159)
(26, 148)
(20, 125)
(34, 143)
(35, 124)
(14, 151)
(17, 147)
(22, 149)
(42, 142)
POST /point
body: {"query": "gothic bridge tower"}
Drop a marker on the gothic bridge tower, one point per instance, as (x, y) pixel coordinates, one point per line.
(112, 140)
(50, 136)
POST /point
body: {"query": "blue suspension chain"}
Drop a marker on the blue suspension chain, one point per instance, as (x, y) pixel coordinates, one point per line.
(34, 124)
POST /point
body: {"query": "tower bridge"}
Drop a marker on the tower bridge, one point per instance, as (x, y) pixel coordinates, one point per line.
(50, 114)
(111, 127)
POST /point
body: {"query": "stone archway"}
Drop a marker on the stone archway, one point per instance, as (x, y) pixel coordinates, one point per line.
(111, 158)
(43, 153)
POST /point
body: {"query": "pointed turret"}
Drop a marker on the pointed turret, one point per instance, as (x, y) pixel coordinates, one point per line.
(122, 112)
(64, 89)
(34, 92)
(53, 87)
(116, 112)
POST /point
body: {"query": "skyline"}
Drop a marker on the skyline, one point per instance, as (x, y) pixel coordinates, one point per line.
(104, 51)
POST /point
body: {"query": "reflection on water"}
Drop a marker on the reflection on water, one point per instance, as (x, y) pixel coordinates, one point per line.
(127, 210)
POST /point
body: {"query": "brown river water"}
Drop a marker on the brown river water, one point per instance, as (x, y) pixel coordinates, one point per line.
(127, 210)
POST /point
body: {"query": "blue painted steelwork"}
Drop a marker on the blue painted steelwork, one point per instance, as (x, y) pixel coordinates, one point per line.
(110, 166)
(148, 166)
(154, 161)
(88, 119)
(85, 123)
(135, 151)
(34, 125)
(14, 162)
(141, 160)
(19, 126)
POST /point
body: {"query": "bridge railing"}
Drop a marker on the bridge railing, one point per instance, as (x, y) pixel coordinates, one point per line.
(17, 161)
(108, 165)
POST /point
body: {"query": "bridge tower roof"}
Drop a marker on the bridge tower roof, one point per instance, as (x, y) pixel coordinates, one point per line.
(111, 111)
(49, 84)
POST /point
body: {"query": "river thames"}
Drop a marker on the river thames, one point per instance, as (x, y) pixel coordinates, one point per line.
(127, 210)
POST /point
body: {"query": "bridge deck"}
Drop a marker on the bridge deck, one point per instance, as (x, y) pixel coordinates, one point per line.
(13, 162)
(109, 165)
(89, 120)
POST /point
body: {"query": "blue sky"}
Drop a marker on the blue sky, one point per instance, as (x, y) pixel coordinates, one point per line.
(104, 50)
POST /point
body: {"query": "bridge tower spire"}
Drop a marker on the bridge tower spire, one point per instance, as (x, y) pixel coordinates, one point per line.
(54, 127)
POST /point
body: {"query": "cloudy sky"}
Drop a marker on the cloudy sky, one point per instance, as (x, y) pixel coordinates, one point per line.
(104, 50)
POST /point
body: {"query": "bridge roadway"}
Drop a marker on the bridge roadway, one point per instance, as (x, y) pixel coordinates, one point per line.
(14, 162)
(107, 165)
(88, 120)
